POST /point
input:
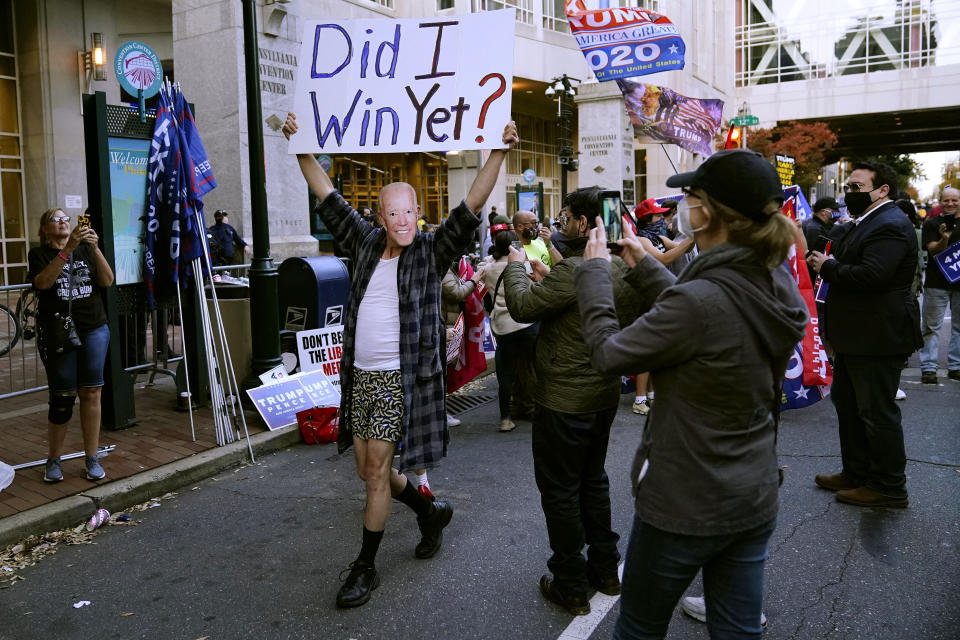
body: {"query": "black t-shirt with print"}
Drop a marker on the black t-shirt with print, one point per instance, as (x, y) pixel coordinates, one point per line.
(931, 233)
(87, 305)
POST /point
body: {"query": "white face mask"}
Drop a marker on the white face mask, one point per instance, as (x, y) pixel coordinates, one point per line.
(684, 226)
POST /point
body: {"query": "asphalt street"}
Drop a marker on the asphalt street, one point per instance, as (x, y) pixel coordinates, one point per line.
(255, 552)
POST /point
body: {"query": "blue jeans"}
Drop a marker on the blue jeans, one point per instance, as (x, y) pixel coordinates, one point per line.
(934, 308)
(661, 565)
(82, 367)
(512, 348)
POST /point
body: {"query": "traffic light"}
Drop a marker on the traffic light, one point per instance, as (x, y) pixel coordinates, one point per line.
(734, 138)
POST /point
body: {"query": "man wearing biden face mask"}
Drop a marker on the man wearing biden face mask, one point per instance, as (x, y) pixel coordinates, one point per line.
(392, 373)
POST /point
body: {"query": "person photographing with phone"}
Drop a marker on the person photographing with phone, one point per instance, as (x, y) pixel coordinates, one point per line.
(576, 405)
(938, 233)
(716, 341)
(69, 272)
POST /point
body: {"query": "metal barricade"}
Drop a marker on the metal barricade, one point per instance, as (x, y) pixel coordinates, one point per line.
(152, 341)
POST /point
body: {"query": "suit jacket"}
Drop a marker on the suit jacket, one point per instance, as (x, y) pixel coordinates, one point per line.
(870, 309)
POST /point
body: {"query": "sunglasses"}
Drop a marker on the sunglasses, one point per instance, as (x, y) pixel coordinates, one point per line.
(60, 219)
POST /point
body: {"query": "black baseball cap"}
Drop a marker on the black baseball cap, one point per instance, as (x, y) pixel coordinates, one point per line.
(826, 203)
(741, 179)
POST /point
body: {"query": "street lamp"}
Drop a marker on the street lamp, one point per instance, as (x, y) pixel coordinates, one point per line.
(562, 87)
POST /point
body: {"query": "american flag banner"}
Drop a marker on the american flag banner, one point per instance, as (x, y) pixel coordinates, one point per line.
(622, 43)
(661, 115)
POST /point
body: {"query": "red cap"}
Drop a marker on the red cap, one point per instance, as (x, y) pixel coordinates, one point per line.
(648, 207)
(497, 228)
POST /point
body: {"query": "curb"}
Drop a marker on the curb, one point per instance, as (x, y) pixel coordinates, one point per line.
(123, 493)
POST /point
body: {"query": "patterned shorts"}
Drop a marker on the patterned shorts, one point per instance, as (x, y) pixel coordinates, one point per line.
(377, 410)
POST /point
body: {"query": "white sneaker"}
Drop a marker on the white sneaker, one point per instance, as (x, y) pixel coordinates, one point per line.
(452, 422)
(696, 608)
(507, 425)
(901, 395)
(640, 407)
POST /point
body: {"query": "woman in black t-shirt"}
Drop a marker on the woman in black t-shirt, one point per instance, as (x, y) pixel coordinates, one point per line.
(68, 271)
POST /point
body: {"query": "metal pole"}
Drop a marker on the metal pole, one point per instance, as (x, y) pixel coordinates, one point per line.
(264, 297)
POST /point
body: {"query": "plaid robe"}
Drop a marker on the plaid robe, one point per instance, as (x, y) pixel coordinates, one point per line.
(422, 360)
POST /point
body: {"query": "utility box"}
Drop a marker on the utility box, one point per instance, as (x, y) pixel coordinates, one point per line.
(313, 292)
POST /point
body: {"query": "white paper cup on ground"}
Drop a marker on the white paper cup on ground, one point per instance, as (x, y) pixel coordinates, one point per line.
(101, 516)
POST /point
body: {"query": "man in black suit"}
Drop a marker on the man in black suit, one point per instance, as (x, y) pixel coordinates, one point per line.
(872, 324)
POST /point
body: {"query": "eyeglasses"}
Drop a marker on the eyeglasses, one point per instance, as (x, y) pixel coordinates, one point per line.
(854, 187)
(59, 219)
(527, 224)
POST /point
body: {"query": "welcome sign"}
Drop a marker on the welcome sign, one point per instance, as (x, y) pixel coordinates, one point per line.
(377, 85)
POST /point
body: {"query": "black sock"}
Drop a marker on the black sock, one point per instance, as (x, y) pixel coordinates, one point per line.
(422, 505)
(371, 543)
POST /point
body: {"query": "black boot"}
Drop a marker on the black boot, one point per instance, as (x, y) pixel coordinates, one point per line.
(431, 528)
(356, 589)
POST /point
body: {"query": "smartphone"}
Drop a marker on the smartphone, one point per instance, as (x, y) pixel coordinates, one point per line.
(83, 221)
(610, 214)
(516, 244)
(950, 222)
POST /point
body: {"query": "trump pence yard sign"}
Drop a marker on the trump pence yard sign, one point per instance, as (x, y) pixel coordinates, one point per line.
(381, 86)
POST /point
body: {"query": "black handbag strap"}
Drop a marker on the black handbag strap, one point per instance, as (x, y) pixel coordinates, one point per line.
(496, 289)
(70, 287)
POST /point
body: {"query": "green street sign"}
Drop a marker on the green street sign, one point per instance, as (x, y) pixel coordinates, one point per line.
(745, 121)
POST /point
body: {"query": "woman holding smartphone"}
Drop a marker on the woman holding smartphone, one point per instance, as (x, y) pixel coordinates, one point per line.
(69, 272)
(716, 341)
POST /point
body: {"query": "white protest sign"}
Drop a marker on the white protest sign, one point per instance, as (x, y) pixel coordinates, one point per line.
(377, 85)
(321, 349)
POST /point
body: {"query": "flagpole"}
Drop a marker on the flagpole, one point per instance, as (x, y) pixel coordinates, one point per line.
(666, 153)
(264, 288)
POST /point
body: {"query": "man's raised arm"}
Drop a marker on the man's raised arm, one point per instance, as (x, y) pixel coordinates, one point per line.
(317, 179)
(483, 184)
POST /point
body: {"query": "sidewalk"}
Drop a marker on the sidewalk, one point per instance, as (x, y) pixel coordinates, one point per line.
(152, 457)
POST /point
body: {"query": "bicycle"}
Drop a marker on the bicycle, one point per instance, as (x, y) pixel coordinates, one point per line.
(9, 330)
(27, 313)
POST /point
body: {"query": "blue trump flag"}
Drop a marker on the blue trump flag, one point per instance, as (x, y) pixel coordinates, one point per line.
(199, 180)
(163, 202)
(621, 43)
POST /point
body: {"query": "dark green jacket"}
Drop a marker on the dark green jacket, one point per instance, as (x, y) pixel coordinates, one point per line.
(566, 381)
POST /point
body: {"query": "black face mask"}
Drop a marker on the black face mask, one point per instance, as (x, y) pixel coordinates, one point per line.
(858, 201)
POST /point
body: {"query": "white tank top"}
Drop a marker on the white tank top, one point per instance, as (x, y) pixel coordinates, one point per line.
(377, 343)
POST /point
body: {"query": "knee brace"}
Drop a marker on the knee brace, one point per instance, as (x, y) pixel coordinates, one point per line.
(61, 408)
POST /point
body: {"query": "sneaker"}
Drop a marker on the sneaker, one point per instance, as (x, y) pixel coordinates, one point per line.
(696, 608)
(452, 422)
(507, 425)
(424, 490)
(928, 377)
(356, 589)
(954, 374)
(901, 395)
(640, 407)
(94, 470)
(53, 473)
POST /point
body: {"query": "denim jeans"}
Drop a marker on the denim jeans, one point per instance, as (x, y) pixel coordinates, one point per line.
(512, 349)
(661, 565)
(82, 367)
(935, 303)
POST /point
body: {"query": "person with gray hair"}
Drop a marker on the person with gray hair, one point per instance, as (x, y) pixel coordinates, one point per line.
(938, 233)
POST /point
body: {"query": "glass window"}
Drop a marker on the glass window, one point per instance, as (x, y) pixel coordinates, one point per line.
(7, 66)
(6, 26)
(11, 192)
(8, 106)
(640, 174)
(9, 145)
(16, 252)
(445, 4)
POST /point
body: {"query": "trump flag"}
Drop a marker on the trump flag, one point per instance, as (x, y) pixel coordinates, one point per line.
(620, 43)
(661, 115)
